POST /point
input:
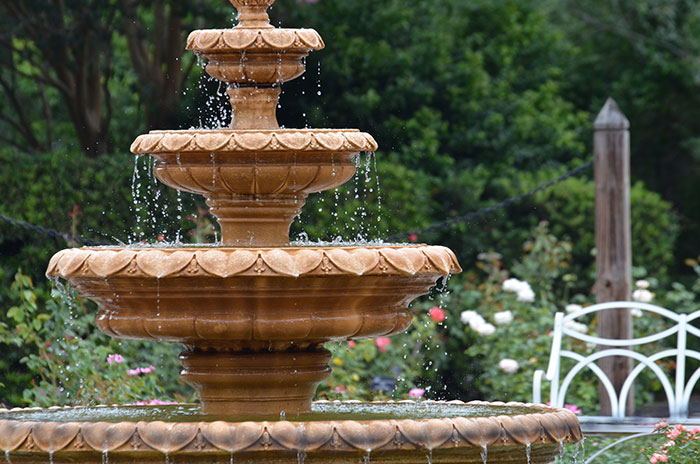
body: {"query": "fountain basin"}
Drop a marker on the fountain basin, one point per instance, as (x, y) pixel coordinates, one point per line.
(253, 321)
(390, 432)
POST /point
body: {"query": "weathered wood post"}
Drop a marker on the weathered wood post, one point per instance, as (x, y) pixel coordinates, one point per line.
(611, 147)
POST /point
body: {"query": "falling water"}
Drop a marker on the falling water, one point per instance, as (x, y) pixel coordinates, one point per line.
(484, 453)
(50, 457)
(105, 457)
(213, 170)
(576, 450)
(528, 452)
(231, 460)
(430, 456)
(7, 456)
(301, 456)
(167, 458)
(369, 450)
(318, 79)
(561, 450)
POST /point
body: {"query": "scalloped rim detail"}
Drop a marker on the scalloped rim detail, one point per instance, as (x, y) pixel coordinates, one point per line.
(550, 426)
(296, 140)
(214, 41)
(229, 262)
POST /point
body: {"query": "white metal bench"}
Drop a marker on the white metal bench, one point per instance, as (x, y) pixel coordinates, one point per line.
(677, 393)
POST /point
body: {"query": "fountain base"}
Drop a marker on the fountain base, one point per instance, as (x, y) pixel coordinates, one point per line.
(255, 383)
(334, 432)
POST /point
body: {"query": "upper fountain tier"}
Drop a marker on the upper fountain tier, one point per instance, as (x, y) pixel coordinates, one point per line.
(254, 58)
(255, 176)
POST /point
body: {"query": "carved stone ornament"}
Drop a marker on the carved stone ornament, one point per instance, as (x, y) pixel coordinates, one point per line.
(455, 439)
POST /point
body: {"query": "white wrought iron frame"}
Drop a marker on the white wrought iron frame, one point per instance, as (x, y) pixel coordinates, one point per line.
(678, 394)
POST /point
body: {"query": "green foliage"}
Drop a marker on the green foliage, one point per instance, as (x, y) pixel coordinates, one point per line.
(65, 358)
(44, 189)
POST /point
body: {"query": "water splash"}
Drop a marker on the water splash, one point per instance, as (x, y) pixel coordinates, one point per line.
(50, 457)
(430, 456)
(528, 452)
(105, 457)
(484, 453)
(7, 456)
(561, 450)
(367, 458)
(576, 451)
(301, 456)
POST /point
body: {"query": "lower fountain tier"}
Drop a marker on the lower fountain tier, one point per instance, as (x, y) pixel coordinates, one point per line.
(254, 320)
(336, 432)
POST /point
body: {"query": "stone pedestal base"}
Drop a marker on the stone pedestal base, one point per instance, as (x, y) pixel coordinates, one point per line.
(255, 383)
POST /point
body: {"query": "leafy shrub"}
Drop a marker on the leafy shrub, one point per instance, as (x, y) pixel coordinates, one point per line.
(69, 362)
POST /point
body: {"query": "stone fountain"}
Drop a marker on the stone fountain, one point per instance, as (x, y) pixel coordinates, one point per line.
(254, 314)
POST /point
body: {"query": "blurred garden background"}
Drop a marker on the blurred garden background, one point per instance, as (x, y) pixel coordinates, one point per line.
(471, 102)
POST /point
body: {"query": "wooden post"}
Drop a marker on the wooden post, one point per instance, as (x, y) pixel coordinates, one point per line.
(611, 147)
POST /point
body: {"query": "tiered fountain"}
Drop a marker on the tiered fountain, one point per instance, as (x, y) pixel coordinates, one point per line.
(254, 314)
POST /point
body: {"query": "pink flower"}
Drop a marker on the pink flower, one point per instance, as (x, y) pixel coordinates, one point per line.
(351, 344)
(437, 314)
(413, 238)
(382, 343)
(416, 392)
(340, 389)
(662, 424)
(147, 370)
(145, 403)
(115, 358)
(673, 434)
(141, 370)
(657, 457)
(573, 408)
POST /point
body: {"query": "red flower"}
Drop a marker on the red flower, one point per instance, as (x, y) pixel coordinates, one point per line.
(413, 238)
(351, 344)
(161, 237)
(436, 314)
(382, 343)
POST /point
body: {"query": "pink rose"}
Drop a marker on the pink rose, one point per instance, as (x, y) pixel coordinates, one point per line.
(416, 392)
(115, 359)
(437, 314)
(382, 343)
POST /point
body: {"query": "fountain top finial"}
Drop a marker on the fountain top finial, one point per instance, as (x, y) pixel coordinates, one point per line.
(253, 13)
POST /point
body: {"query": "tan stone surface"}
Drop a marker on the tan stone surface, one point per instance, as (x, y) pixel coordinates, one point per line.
(458, 439)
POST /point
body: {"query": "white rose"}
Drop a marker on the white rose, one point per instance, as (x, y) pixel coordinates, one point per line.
(642, 295)
(572, 308)
(526, 295)
(643, 284)
(513, 285)
(485, 329)
(636, 312)
(467, 316)
(503, 317)
(509, 366)
(576, 326)
(476, 321)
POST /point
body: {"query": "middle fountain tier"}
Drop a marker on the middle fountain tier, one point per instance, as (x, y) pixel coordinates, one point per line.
(253, 314)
